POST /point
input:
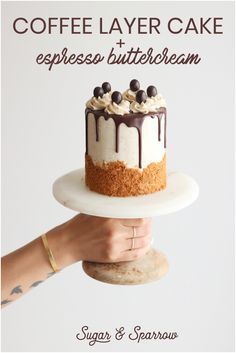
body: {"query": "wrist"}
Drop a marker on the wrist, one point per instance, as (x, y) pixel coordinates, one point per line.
(62, 243)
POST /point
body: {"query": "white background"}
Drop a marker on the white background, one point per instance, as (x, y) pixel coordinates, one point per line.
(43, 138)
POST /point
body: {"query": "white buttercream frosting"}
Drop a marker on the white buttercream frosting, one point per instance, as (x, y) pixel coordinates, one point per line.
(100, 102)
(119, 109)
(128, 104)
(139, 107)
(155, 103)
(129, 95)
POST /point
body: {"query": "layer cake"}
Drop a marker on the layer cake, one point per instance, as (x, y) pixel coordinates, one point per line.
(125, 141)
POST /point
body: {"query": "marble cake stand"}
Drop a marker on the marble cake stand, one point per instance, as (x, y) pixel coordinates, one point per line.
(70, 190)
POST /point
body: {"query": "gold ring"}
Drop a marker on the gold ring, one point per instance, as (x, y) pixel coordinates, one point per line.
(132, 239)
(132, 244)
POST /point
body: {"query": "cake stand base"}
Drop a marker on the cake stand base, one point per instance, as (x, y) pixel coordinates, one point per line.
(150, 267)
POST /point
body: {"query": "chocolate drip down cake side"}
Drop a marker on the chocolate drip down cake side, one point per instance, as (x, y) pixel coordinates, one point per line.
(125, 141)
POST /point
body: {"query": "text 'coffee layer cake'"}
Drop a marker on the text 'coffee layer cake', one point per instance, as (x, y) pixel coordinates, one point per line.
(125, 141)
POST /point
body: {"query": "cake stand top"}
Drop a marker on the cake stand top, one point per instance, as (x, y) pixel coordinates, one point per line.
(70, 190)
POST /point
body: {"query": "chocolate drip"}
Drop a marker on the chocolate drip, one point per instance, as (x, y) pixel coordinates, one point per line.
(130, 120)
(117, 136)
(140, 146)
(159, 127)
(86, 132)
(165, 132)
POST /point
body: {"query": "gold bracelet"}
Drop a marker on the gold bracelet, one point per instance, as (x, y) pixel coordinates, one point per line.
(50, 254)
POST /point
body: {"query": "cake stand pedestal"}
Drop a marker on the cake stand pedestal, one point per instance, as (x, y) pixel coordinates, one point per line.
(70, 190)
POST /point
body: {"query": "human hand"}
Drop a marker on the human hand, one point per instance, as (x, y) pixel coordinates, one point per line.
(99, 239)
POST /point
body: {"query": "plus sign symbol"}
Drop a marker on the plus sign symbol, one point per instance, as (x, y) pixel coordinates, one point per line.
(120, 43)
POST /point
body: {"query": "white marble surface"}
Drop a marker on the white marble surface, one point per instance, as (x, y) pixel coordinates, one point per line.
(70, 190)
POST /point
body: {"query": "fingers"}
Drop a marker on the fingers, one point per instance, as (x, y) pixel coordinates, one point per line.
(136, 231)
(135, 222)
(123, 238)
(134, 254)
(119, 248)
(136, 243)
(109, 240)
(130, 232)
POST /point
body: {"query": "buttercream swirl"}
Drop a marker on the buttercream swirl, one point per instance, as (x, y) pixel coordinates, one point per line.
(139, 107)
(155, 103)
(129, 95)
(119, 109)
(100, 102)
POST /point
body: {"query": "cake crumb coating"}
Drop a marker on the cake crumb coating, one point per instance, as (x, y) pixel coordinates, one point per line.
(116, 179)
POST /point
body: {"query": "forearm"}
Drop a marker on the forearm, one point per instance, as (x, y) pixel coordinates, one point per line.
(29, 266)
(83, 237)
